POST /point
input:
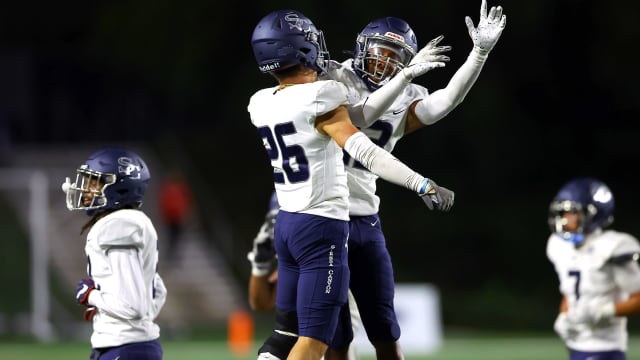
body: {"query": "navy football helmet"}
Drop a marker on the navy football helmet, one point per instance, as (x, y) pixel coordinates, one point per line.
(591, 199)
(286, 38)
(111, 178)
(383, 48)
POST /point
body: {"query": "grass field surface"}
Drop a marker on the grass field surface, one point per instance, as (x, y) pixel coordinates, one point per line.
(480, 348)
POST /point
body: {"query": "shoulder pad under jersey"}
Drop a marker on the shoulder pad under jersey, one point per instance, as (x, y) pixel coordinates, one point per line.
(121, 228)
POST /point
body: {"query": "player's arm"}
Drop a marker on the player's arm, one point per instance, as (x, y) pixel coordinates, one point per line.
(564, 305)
(262, 282)
(437, 105)
(626, 273)
(159, 295)
(124, 296)
(337, 124)
(262, 292)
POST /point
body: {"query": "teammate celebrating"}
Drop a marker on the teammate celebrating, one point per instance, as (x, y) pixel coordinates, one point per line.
(304, 124)
(123, 293)
(598, 272)
(387, 107)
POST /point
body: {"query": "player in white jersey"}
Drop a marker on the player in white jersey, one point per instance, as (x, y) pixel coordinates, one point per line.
(123, 292)
(391, 107)
(304, 124)
(597, 269)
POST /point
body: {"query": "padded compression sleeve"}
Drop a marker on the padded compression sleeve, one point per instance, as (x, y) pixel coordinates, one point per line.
(442, 101)
(382, 163)
(379, 101)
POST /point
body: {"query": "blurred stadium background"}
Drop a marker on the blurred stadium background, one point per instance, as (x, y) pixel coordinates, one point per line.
(171, 80)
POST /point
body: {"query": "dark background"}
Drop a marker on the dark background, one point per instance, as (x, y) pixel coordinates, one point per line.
(556, 99)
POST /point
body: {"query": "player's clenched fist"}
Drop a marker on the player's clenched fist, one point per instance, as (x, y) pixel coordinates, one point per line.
(83, 289)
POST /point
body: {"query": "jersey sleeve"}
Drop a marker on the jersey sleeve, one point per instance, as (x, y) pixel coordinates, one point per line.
(626, 270)
(553, 250)
(329, 96)
(119, 231)
(122, 295)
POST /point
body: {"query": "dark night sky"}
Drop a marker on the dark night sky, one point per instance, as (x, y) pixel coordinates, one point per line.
(556, 99)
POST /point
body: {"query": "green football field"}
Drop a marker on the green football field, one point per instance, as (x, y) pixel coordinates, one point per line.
(480, 348)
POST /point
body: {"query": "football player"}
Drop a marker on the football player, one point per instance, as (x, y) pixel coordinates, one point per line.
(122, 293)
(386, 107)
(597, 269)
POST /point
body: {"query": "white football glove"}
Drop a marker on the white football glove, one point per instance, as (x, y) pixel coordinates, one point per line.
(263, 254)
(593, 311)
(565, 328)
(489, 29)
(429, 57)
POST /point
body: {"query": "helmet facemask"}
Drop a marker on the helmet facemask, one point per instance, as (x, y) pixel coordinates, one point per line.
(87, 192)
(317, 38)
(380, 58)
(561, 225)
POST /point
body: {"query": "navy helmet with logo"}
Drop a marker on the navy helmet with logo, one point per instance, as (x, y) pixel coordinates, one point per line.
(285, 38)
(591, 199)
(111, 178)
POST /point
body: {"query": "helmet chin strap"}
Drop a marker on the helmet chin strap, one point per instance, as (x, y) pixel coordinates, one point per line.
(575, 238)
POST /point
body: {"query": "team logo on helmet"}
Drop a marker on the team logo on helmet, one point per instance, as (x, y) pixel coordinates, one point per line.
(127, 168)
(295, 22)
(394, 36)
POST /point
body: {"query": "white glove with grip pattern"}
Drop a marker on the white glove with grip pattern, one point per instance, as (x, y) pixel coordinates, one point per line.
(489, 29)
(593, 311)
(428, 58)
(565, 328)
(263, 254)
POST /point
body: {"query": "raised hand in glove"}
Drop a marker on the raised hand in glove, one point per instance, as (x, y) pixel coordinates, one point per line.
(83, 289)
(429, 57)
(263, 254)
(89, 313)
(437, 197)
(489, 29)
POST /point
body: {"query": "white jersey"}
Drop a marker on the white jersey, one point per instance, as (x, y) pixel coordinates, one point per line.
(587, 272)
(385, 132)
(122, 255)
(308, 171)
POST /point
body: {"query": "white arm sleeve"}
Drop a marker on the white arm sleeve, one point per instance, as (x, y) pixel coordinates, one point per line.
(442, 101)
(371, 109)
(382, 163)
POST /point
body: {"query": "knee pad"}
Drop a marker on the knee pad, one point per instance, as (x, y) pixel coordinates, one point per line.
(279, 344)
